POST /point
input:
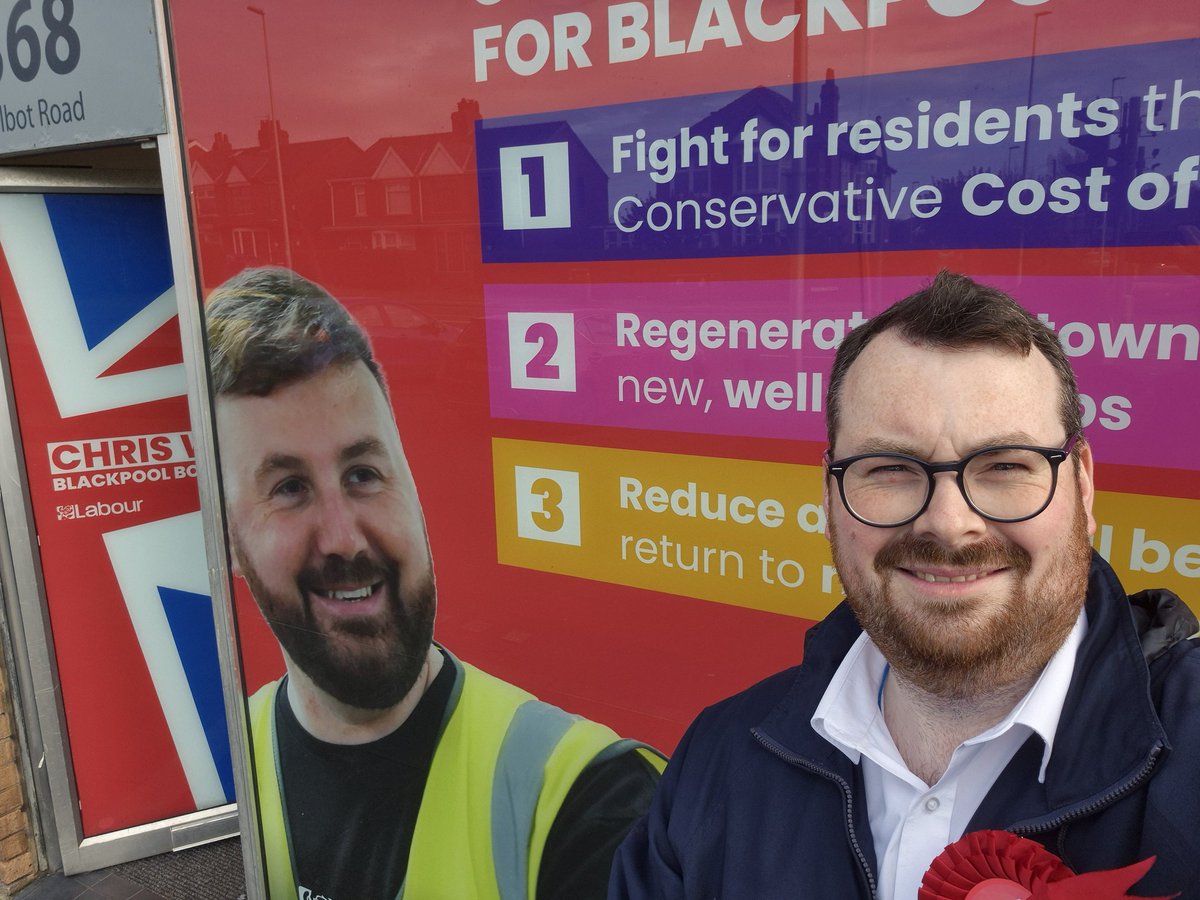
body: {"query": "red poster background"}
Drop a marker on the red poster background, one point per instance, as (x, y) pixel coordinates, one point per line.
(383, 91)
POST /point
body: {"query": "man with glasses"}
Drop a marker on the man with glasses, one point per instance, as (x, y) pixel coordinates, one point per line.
(986, 672)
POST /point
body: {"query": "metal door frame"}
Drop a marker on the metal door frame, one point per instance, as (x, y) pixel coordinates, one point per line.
(33, 664)
(25, 626)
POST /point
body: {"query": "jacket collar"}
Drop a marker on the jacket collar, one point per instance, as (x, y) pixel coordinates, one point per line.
(1109, 694)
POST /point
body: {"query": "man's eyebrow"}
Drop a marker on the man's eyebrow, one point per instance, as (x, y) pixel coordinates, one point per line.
(1013, 437)
(882, 445)
(365, 447)
(278, 462)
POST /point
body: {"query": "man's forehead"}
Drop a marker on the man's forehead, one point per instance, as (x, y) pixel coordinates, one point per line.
(891, 355)
(899, 383)
(338, 412)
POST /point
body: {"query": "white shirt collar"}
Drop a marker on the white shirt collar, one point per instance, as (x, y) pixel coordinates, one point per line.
(849, 716)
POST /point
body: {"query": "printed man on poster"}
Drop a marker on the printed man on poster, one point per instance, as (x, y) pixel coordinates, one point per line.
(987, 678)
(383, 763)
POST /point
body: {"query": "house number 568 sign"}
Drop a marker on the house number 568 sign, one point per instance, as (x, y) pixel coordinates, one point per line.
(39, 36)
(75, 72)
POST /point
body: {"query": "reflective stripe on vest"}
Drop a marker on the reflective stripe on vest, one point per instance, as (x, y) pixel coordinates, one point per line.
(502, 768)
(532, 735)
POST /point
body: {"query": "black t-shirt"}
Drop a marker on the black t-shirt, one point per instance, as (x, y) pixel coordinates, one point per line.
(352, 809)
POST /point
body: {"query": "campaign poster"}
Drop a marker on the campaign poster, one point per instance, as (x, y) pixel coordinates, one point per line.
(605, 253)
(95, 360)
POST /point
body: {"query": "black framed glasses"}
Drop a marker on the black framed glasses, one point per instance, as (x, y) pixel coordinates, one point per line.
(1004, 484)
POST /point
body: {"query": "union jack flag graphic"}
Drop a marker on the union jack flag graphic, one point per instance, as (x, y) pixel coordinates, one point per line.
(94, 305)
(87, 293)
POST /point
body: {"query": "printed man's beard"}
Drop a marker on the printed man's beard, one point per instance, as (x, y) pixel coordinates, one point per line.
(961, 649)
(366, 662)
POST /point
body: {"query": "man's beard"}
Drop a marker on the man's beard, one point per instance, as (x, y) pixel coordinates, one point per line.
(961, 649)
(367, 663)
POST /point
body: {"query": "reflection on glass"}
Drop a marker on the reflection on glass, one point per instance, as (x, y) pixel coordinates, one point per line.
(389, 155)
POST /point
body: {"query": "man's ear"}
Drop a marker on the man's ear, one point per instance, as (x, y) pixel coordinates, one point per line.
(827, 486)
(234, 563)
(1087, 487)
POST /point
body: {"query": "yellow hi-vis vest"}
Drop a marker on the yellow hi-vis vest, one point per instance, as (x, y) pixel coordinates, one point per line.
(502, 768)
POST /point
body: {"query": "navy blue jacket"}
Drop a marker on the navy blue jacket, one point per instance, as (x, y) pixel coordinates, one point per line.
(756, 805)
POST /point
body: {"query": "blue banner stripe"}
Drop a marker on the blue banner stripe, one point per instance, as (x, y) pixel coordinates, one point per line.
(1083, 149)
(116, 255)
(190, 618)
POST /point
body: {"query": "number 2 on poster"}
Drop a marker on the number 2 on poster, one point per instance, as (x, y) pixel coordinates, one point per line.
(547, 339)
(541, 351)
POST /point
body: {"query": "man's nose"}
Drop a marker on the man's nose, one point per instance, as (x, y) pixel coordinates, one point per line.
(948, 518)
(339, 530)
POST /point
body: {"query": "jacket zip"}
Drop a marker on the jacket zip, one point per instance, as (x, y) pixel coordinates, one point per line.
(1096, 805)
(799, 761)
(1058, 822)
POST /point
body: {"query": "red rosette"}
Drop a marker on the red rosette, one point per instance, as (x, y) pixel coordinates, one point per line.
(1110, 884)
(991, 865)
(997, 865)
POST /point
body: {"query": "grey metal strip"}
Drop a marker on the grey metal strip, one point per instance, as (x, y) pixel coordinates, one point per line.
(532, 735)
(624, 745)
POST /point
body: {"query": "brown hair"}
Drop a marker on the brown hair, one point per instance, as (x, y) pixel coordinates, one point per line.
(953, 312)
(268, 327)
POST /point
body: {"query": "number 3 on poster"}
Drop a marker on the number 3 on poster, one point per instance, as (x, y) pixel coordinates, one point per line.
(548, 505)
